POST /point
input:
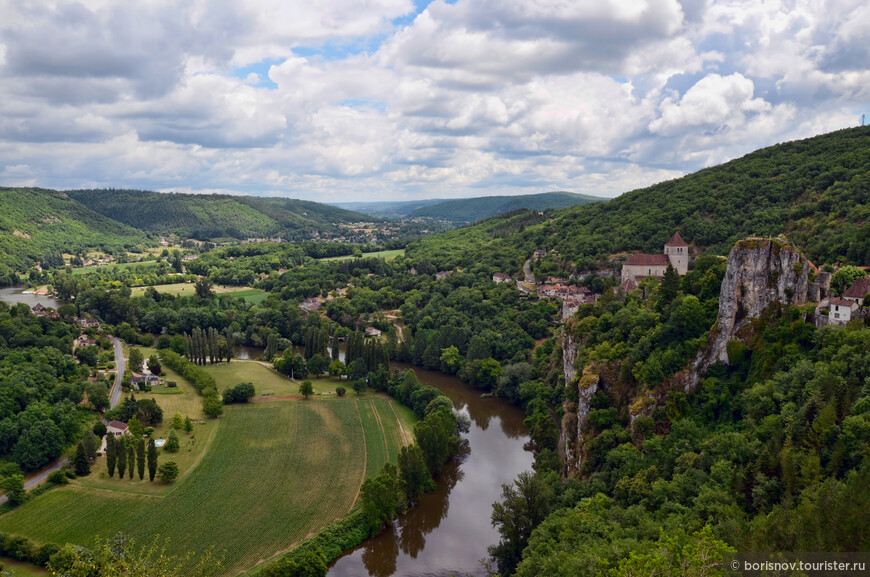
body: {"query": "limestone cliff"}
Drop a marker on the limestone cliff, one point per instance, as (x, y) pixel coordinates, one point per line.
(760, 271)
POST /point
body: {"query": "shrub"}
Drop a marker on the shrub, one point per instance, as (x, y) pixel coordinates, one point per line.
(58, 478)
(340, 391)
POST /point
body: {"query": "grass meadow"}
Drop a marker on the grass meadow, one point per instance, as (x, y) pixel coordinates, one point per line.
(273, 474)
(385, 254)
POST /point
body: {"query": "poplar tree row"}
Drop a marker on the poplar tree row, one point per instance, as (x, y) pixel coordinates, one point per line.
(128, 454)
(202, 346)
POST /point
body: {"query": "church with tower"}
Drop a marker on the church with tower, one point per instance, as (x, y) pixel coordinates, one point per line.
(639, 266)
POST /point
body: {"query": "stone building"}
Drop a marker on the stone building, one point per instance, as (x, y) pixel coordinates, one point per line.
(676, 254)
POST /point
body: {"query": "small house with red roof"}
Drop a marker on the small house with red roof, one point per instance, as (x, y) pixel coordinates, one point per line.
(859, 289)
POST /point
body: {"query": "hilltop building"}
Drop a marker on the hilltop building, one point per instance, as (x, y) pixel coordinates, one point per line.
(676, 254)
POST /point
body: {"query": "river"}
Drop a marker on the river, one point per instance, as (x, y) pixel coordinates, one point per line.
(447, 532)
(15, 294)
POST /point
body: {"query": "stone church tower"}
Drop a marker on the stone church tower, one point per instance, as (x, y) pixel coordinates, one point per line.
(678, 253)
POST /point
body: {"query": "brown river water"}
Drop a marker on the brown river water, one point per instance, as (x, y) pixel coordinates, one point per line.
(447, 532)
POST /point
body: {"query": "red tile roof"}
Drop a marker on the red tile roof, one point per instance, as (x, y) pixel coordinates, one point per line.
(859, 289)
(676, 240)
(842, 302)
(648, 260)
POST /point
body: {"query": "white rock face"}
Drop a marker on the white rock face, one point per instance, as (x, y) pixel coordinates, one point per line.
(760, 271)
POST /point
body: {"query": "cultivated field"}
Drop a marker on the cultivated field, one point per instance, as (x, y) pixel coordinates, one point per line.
(385, 254)
(275, 473)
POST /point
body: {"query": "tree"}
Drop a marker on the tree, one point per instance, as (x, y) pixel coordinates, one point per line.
(336, 368)
(92, 444)
(131, 456)
(121, 452)
(111, 454)
(81, 462)
(154, 365)
(340, 391)
(188, 424)
(378, 496)
(168, 471)
(203, 287)
(177, 421)
(523, 506)
(413, 472)
(451, 359)
(100, 429)
(844, 278)
(359, 385)
(140, 458)
(13, 485)
(318, 364)
(357, 370)
(211, 405)
(669, 289)
(38, 445)
(136, 359)
(172, 444)
(241, 393)
(152, 459)
(310, 562)
(306, 388)
(134, 425)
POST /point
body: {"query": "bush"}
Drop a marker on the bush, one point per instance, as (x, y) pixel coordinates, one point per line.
(241, 393)
(340, 391)
(168, 471)
(58, 478)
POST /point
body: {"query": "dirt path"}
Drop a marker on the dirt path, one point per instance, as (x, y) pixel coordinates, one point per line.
(401, 425)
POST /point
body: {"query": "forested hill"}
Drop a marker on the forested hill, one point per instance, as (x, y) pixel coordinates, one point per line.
(35, 222)
(816, 191)
(208, 216)
(474, 209)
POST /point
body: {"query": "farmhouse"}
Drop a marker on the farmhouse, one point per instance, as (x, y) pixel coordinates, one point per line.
(538, 254)
(88, 323)
(859, 289)
(117, 428)
(310, 304)
(372, 332)
(676, 254)
(442, 274)
(500, 277)
(86, 341)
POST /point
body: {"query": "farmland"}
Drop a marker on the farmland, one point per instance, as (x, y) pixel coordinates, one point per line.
(386, 254)
(266, 380)
(187, 289)
(275, 472)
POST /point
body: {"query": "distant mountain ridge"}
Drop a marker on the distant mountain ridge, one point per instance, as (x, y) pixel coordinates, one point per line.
(207, 216)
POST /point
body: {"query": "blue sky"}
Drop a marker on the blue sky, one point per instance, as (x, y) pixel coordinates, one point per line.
(343, 101)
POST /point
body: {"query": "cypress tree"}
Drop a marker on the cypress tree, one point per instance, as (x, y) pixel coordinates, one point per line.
(111, 455)
(229, 352)
(121, 451)
(131, 456)
(152, 459)
(82, 465)
(140, 458)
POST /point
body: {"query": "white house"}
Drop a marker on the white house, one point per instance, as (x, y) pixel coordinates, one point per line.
(117, 428)
(841, 311)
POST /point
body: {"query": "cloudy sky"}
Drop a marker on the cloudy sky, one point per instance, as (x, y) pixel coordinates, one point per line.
(401, 99)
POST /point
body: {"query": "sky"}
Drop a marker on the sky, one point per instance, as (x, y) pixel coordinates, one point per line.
(351, 100)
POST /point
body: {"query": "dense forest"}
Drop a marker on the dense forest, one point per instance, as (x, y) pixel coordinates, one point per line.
(816, 191)
(207, 216)
(35, 222)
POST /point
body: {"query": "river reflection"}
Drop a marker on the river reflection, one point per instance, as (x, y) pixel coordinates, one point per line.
(448, 531)
(14, 295)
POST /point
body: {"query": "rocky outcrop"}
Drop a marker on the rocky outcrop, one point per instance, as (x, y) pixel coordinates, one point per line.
(760, 271)
(570, 347)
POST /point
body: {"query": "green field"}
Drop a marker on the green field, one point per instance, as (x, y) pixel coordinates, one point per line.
(385, 254)
(274, 474)
(20, 569)
(253, 296)
(121, 266)
(266, 379)
(187, 289)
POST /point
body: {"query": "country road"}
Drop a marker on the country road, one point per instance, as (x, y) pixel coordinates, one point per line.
(114, 398)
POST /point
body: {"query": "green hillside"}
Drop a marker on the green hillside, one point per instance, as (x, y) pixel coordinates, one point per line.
(389, 207)
(214, 216)
(474, 209)
(816, 191)
(35, 221)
